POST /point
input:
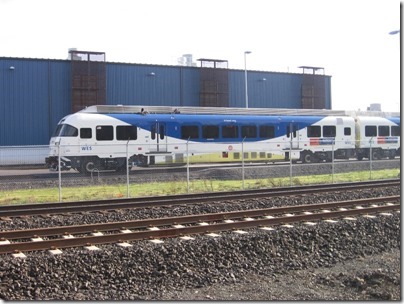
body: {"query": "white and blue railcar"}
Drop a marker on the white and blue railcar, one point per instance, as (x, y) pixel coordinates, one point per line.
(377, 137)
(88, 140)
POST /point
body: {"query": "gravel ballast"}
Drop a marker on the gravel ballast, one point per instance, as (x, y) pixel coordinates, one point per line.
(346, 260)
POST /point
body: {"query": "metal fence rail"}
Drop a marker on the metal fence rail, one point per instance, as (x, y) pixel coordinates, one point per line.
(240, 166)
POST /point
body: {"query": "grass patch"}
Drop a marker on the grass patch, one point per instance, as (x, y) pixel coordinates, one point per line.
(107, 191)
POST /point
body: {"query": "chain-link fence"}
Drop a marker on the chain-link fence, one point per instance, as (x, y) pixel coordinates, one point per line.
(116, 171)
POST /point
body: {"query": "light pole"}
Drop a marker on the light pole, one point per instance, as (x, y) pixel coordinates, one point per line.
(245, 77)
(395, 32)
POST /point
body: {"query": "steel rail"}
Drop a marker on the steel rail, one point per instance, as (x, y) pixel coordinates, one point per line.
(127, 203)
(181, 231)
(137, 224)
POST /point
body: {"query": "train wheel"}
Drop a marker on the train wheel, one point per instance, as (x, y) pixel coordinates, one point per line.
(307, 157)
(122, 168)
(328, 158)
(88, 167)
(143, 160)
(392, 154)
(375, 155)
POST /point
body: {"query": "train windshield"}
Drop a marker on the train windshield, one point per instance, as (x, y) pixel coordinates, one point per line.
(64, 130)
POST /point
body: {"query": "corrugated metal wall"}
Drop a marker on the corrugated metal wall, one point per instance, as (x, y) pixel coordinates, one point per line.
(36, 94)
(152, 85)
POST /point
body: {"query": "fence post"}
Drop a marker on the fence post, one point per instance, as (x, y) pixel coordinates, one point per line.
(332, 159)
(242, 161)
(187, 167)
(127, 168)
(59, 174)
(370, 157)
(290, 162)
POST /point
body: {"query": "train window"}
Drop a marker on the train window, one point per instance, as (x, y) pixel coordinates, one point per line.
(248, 131)
(313, 131)
(154, 131)
(104, 133)
(384, 131)
(288, 131)
(85, 133)
(267, 132)
(126, 132)
(69, 131)
(395, 131)
(57, 130)
(329, 131)
(162, 131)
(370, 131)
(210, 131)
(189, 132)
(229, 131)
(347, 131)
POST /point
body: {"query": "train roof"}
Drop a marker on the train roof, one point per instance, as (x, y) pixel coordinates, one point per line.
(115, 109)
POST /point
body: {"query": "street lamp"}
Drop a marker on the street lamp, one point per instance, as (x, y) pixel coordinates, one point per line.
(394, 32)
(245, 77)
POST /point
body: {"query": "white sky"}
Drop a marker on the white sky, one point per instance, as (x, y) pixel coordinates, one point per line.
(349, 38)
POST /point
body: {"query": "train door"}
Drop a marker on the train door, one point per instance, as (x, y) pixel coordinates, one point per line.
(292, 133)
(158, 137)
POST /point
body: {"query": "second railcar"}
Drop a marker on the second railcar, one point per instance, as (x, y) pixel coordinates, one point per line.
(377, 137)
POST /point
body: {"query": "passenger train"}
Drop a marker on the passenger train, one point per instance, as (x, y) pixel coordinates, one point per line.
(105, 137)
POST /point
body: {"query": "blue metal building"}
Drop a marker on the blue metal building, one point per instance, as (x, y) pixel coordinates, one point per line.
(36, 93)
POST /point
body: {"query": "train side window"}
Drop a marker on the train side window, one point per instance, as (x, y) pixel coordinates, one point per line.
(126, 132)
(329, 131)
(347, 131)
(370, 131)
(85, 133)
(248, 131)
(313, 131)
(229, 131)
(210, 131)
(395, 131)
(384, 131)
(104, 133)
(189, 132)
(267, 132)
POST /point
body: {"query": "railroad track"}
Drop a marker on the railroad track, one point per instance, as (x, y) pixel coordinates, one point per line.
(19, 241)
(171, 200)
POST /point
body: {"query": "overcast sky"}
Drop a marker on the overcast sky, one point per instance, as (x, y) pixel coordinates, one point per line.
(349, 38)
